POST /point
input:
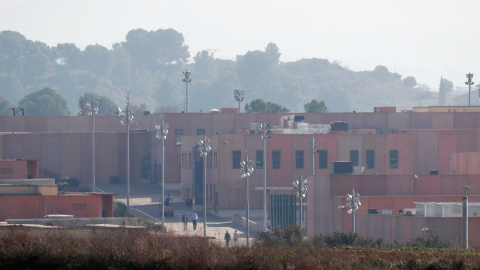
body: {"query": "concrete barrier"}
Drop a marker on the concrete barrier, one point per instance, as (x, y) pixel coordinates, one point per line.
(255, 229)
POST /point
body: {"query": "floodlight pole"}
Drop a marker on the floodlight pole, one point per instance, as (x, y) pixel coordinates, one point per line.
(162, 131)
(127, 116)
(469, 83)
(246, 170)
(187, 79)
(265, 167)
(204, 149)
(353, 212)
(314, 150)
(93, 111)
(465, 217)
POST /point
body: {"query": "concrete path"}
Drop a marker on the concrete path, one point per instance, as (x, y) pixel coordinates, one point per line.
(145, 203)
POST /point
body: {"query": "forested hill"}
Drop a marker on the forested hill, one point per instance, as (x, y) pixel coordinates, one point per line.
(150, 65)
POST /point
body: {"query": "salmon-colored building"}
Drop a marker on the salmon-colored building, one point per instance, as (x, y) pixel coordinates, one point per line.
(23, 195)
(386, 148)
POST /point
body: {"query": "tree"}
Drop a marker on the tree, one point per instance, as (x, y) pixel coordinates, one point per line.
(260, 106)
(98, 59)
(138, 110)
(381, 74)
(315, 107)
(67, 55)
(168, 109)
(445, 87)
(409, 81)
(44, 102)
(105, 105)
(5, 107)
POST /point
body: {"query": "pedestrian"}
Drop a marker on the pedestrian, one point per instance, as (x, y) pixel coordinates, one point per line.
(227, 238)
(194, 220)
(235, 237)
(185, 221)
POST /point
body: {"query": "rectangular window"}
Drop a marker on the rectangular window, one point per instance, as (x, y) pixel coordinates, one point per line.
(354, 157)
(201, 131)
(178, 137)
(276, 157)
(299, 159)
(393, 159)
(236, 159)
(259, 156)
(370, 158)
(323, 159)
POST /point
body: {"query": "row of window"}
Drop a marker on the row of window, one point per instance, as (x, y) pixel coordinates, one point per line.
(322, 159)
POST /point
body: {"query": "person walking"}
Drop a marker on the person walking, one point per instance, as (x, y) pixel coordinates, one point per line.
(194, 220)
(185, 221)
(235, 238)
(227, 238)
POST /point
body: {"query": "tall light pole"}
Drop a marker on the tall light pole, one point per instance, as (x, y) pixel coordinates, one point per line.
(204, 149)
(127, 118)
(239, 95)
(265, 168)
(353, 203)
(469, 83)
(91, 109)
(300, 189)
(465, 216)
(186, 81)
(314, 150)
(246, 170)
(161, 133)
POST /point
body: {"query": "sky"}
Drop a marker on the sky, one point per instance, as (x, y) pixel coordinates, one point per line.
(420, 38)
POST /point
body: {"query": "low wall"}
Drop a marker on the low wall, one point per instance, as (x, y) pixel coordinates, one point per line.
(68, 222)
(254, 227)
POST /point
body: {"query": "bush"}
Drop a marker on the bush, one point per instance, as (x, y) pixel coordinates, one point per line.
(432, 241)
(151, 226)
(119, 209)
(68, 183)
(292, 237)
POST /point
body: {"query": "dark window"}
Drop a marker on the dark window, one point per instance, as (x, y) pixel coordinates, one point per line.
(323, 159)
(370, 158)
(299, 159)
(178, 131)
(236, 159)
(276, 157)
(201, 131)
(354, 157)
(393, 159)
(259, 156)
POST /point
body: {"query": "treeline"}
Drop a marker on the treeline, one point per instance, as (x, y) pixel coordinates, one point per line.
(149, 64)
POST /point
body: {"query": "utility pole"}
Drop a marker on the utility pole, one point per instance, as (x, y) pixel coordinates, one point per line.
(265, 168)
(314, 150)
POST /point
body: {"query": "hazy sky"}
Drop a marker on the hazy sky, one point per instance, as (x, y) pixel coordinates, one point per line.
(424, 39)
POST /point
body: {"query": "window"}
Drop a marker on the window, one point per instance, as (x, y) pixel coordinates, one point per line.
(393, 159)
(259, 156)
(178, 137)
(276, 157)
(201, 131)
(299, 159)
(370, 157)
(236, 159)
(323, 159)
(354, 157)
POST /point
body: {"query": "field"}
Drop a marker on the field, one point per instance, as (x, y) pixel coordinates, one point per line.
(140, 249)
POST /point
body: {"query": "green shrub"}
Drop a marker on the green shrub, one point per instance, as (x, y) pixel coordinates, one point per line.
(68, 183)
(151, 226)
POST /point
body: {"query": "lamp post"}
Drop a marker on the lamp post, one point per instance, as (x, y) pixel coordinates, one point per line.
(265, 167)
(239, 95)
(187, 79)
(246, 170)
(92, 110)
(465, 216)
(127, 118)
(353, 203)
(300, 189)
(161, 133)
(469, 83)
(314, 150)
(204, 149)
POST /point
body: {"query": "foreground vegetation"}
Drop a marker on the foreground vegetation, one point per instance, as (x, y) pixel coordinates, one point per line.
(140, 249)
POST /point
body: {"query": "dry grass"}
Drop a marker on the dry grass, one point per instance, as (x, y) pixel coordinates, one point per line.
(133, 249)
